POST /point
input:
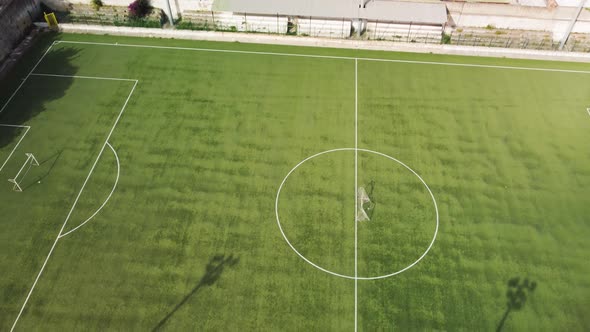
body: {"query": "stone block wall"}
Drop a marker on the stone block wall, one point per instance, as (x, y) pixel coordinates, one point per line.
(16, 18)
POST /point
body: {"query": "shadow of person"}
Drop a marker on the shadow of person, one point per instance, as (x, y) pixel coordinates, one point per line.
(213, 272)
(516, 294)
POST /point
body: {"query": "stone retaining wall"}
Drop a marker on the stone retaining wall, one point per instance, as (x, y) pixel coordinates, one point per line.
(111, 15)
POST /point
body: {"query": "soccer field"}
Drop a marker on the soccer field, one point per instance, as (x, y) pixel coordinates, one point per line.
(187, 186)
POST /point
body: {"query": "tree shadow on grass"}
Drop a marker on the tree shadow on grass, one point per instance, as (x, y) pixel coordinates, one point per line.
(213, 271)
(34, 95)
(516, 295)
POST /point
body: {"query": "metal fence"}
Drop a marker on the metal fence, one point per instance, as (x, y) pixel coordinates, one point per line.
(332, 28)
(522, 40)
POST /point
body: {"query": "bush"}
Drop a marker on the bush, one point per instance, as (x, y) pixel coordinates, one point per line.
(96, 4)
(187, 25)
(139, 9)
(446, 39)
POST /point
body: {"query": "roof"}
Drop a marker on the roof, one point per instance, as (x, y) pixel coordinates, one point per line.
(399, 11)
(381, 10)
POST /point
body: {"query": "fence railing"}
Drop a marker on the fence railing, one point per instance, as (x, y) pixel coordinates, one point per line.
(333, 28)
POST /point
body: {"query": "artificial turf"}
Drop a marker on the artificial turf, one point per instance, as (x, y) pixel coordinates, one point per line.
(189, 240)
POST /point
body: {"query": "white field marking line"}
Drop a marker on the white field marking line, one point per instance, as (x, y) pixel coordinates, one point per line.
(356, 145)
(108, 198)
(588, 110)
(17, 144)
(343, 275)
(27, 77)
(210, 50)
(73, 207)
(85, 77)
(334, 57)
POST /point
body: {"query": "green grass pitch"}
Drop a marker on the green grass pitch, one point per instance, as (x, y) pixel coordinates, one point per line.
(176, 226)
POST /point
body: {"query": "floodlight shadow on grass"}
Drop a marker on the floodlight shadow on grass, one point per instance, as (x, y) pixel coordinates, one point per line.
(213, 272)
(517, 296)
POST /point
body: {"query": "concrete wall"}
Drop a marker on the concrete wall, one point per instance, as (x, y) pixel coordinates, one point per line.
(467, 15)
(553, 20)
(323, 27)
(177, 6)
(236, 21)
(410, 33)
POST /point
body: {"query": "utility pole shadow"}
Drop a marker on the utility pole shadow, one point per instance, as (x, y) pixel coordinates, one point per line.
(517, 295)
(213, 272)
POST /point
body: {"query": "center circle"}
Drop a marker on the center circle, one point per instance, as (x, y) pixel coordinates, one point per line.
(358, 223)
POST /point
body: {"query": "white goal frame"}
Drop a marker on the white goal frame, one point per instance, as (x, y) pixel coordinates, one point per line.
(31, 161)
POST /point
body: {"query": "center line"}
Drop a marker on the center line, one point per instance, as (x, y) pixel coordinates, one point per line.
(356, 206)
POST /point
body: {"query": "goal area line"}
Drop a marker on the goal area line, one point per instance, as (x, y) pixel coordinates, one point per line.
(17, 143)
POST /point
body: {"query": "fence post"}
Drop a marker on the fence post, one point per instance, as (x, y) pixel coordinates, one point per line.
(213, 18)
(575, 43)
(375, 35)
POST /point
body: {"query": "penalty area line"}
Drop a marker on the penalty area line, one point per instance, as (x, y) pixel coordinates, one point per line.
(17, 144)
(85, 77)
(108, 197)
(106, 142)
(27, 77)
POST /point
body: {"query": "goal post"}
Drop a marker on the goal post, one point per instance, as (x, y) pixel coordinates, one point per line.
(17, 179)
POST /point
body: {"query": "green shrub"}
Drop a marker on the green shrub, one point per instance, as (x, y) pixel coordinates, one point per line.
(446, 39)
(96, 4)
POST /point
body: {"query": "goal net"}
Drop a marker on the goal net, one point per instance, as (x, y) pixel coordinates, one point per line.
(363, 205)
(18, 178)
